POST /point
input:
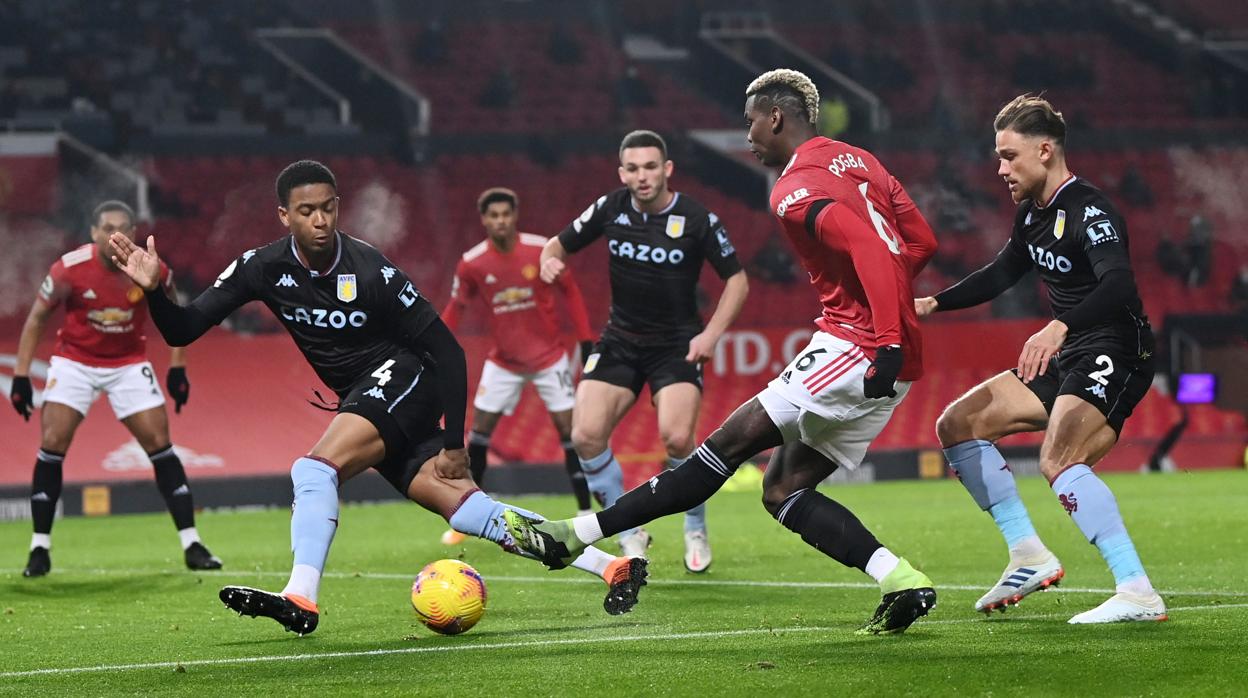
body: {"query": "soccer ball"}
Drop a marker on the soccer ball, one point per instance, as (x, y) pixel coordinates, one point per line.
(449, 596)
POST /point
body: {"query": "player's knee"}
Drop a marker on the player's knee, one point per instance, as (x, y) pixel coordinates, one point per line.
(953, 426)
(588, 442)
(773, 498)
(677, 445)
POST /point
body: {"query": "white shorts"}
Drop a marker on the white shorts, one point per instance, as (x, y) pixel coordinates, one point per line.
(131, 389)
(818, 400)
(499, 389)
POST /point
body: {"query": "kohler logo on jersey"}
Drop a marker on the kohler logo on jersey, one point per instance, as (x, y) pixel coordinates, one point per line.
(321, 317)
(645, 253)
(790, 199)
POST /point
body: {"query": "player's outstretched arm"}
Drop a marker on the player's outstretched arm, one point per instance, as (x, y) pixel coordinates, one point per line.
(984, 284)
(179, 325)
(141, 265)
(552, 260)
(702, 347)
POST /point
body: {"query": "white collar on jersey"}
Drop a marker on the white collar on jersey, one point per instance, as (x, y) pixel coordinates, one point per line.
(337, 255)
(666, 209)
(1063, 185)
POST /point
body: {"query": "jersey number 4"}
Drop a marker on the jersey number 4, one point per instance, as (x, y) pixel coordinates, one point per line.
(881, 225)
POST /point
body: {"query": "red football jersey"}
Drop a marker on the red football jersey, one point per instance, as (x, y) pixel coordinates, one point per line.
(861, 249)
(522, 317)
(104, 311)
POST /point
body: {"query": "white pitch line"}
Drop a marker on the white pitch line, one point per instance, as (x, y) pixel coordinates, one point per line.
(584, 579)
(511, 645)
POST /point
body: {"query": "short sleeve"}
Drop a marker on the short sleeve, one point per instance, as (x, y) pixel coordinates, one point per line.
(56, 285)
(406, 311)
(1104, 236)
(586, 228)
(718, 249)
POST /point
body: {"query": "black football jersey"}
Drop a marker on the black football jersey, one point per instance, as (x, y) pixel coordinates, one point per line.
(346, 321)
(1073, 242)
(655, 262)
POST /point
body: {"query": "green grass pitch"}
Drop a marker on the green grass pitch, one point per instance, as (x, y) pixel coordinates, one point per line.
(119, 614)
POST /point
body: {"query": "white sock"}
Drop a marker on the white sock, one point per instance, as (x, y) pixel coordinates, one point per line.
(881, 564)
(593, 561)
(587, 529)
(305, 581)
(188, 536)
(41, 540)
(1139, 585)
(1028, 548)
(584, 512)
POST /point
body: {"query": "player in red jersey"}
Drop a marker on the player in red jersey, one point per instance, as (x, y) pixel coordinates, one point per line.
(101, 349)
(501, 273)
(862, 240)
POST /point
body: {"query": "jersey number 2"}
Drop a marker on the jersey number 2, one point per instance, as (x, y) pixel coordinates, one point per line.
(881, 225)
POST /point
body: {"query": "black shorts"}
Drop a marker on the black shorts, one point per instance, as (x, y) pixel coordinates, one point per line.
(1109, 380)
(630, 365)
(400, 398)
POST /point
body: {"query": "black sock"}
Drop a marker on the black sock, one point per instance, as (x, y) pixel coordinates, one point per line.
(45, 489)
(478, 451)
(171, 481)
(670, 492)
(828, 527)
(580, 488)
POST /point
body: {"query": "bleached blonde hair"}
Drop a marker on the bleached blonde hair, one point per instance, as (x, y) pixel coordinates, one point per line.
(789, 89)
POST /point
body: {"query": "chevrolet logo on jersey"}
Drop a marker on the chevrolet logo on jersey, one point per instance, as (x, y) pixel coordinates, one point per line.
(511, 295)
(346, 288)
(1059, 228)
(675, 226)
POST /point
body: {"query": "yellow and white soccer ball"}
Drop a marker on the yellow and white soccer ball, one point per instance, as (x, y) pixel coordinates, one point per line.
(449, 596)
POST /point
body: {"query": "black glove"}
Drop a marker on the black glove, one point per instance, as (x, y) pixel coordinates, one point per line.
(23, 396)
(179, 387)
(587, 348)
(880, 376)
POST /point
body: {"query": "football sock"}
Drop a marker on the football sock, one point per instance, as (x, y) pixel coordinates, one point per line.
(985, 474)
(45, 491)
(313, 522)
(1090, 503)
(605, 479)
(830, 528)
(695, 518)
(481, 515)
(580, 488)
(171, 481)
(478, 452)
(188, 536)
(881, 564)
(670, 492)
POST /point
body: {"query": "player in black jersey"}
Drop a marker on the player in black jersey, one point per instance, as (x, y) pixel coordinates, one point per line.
(395, 367)
(1077, 379)
(657, 240)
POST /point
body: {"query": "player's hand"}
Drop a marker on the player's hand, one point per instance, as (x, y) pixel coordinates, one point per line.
(142, 266)
(702, 348)
(552, 269)
(1041, 347)
(179, 387)
(451, 465)
(22, 396)
(925, 306)
(882, 373)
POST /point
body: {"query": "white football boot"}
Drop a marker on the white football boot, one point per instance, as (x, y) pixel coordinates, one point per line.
(1125, 607)
(636, 544)
(697, 551)
(1020, 580)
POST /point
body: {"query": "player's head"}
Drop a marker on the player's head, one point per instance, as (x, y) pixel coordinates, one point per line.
(307, 204)
(1031, 143)
(781, 109)
(644, 167)
(107, 218)
(498, 207)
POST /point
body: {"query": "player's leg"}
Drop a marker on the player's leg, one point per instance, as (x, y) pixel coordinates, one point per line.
(67, 396)
(498, 393)
(678, 405)
(351, 444)
(968, 430)
(58, 422)
(1078, 436)
(789, 495)
(554, 385)
(599, 408)
(150, 426)
(748, 431)
(483, 424)
(473, 512)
